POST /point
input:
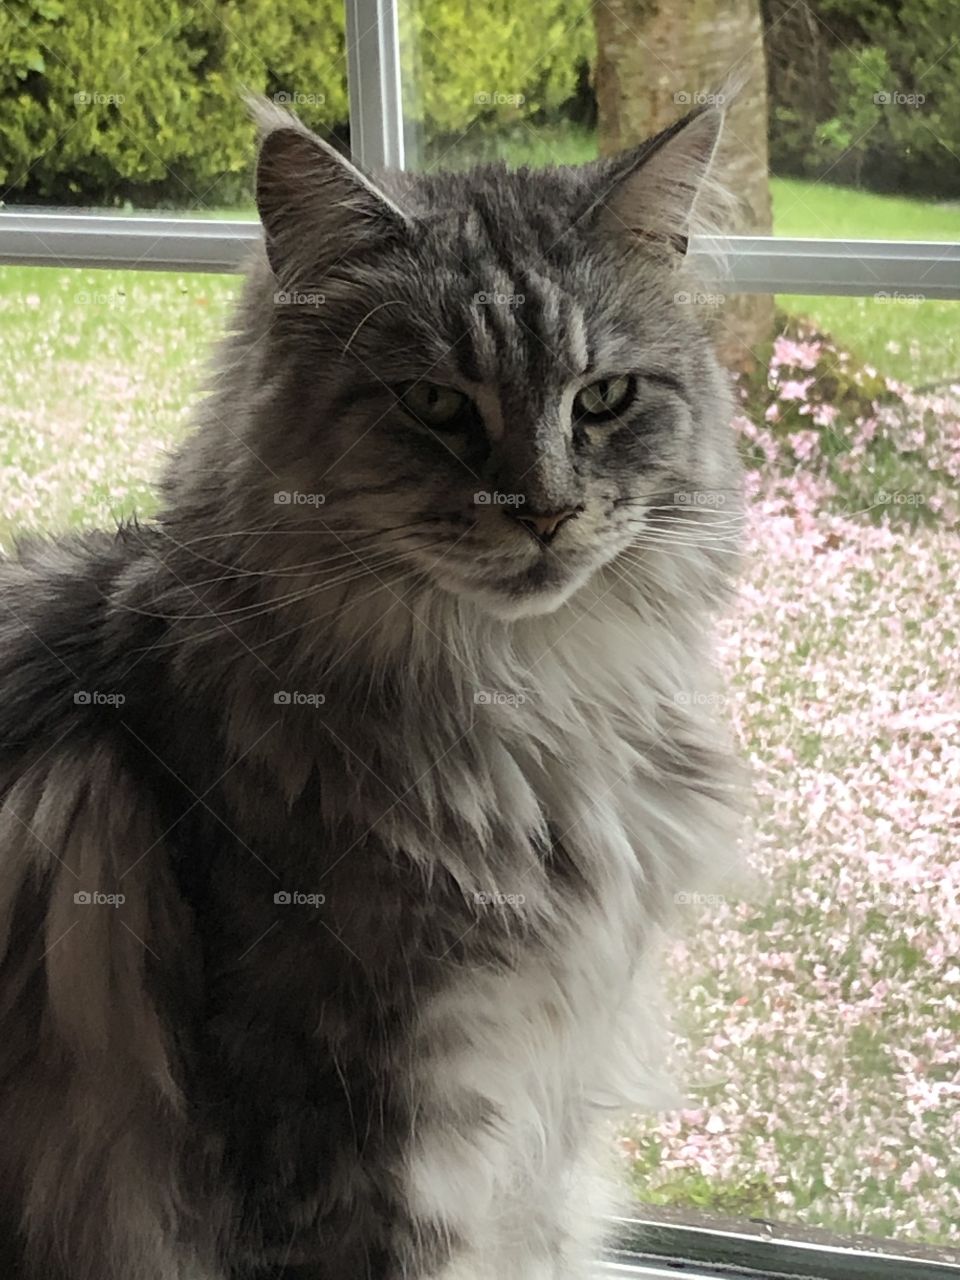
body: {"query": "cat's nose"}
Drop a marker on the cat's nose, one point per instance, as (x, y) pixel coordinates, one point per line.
(545, 527)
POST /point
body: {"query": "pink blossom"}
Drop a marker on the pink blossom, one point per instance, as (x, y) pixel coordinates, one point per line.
(795, 388)
(798, 355)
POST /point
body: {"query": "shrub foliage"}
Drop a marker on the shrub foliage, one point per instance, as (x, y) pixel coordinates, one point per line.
(866, 92)
(105, 101)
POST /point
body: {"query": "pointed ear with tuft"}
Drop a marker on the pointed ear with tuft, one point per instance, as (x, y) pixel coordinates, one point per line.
(655, 191)
(316, 207)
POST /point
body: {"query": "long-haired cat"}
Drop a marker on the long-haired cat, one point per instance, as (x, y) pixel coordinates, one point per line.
(342, 802)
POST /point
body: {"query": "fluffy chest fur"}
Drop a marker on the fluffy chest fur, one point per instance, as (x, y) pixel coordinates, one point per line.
(637, 799)
(530, 816)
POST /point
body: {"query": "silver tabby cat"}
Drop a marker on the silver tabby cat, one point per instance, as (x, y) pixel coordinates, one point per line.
(343, 802)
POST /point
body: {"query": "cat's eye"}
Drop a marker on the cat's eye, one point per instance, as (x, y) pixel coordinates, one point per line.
(435, 405)
(604, 398)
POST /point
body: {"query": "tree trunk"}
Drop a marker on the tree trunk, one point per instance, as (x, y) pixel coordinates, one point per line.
(652, 63)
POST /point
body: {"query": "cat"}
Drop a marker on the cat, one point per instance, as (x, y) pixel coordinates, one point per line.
(344, 801)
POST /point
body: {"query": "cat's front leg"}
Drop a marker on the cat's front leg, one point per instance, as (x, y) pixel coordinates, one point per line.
(539, 1232)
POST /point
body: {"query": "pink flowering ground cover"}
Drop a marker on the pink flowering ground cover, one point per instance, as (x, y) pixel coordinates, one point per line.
(819, 1013)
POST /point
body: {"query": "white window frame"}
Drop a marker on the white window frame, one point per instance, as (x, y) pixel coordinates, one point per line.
(740, 264)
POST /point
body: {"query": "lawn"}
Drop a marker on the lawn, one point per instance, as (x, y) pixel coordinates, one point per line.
(803, 208)
(819, 1019)
(98, 374)
(914, 339)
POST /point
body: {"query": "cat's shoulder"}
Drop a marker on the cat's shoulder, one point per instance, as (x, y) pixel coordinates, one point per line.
(61, 643)
(59, 577)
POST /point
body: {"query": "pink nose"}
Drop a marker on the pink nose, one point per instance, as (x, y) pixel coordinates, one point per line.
(546, 527)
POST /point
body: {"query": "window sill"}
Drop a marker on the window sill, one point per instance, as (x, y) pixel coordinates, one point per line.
(675, 1245)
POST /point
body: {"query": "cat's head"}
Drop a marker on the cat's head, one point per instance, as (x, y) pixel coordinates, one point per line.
(495, 378)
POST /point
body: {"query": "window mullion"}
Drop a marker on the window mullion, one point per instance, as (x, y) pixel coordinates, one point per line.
(373, 79)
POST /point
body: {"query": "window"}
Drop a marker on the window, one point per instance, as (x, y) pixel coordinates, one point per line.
(821, 1025)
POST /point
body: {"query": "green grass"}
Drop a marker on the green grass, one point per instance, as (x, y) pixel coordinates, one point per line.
(914, 339)
(917, 343)
(803, 208)
(99, 372)
(113, 314)
(521, 145)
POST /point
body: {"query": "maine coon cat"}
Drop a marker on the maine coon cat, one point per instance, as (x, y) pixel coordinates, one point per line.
(342, 802)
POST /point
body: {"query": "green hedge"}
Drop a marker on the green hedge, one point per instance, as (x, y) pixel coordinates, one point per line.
(104, 101)
(866, 92)
(502, 60)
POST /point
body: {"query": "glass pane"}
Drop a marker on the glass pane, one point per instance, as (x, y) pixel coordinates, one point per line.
(863, 127)
(821, 1025)
(845, 125)
(818, 1017)
(497, 81)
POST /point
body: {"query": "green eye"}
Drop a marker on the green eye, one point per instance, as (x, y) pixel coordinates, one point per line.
(435, 405)
(604, 398)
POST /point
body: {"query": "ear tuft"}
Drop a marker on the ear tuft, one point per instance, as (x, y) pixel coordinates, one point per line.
(663, 190)
(316, 207)
(268, 115)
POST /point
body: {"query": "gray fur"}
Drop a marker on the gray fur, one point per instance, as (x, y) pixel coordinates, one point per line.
(497, 762)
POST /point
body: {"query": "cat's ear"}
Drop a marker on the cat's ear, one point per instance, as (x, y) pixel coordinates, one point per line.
(656, 191)
(316, 207)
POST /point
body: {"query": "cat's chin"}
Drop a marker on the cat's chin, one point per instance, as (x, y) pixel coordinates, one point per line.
(510, 606)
